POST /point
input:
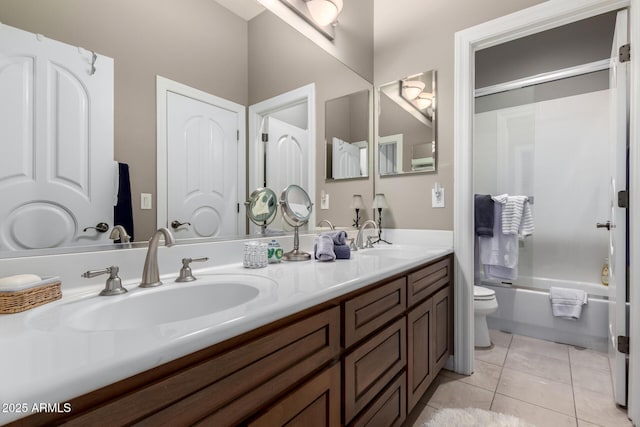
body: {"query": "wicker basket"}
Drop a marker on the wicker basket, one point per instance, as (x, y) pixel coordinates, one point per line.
(17, 301)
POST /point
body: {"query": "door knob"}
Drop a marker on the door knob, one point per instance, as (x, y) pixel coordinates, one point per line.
(175, 224)
(101, 227)
(606, 225)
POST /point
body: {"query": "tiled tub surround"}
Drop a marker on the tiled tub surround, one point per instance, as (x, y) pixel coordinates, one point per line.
(54, 364)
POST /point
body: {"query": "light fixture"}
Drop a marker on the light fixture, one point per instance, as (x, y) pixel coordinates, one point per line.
(380, 202)
(324, 12)
(424, 100)
(412, 88)
(357, 204)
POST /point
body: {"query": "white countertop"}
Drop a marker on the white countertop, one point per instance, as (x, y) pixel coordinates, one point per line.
(47, 362)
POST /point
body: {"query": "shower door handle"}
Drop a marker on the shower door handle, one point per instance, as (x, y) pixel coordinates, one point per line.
(606, 225)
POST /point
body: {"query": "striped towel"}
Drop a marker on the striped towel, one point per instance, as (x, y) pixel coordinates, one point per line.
(516, 215)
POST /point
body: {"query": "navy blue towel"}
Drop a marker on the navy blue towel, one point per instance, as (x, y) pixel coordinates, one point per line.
(123, 211)
(484, 215)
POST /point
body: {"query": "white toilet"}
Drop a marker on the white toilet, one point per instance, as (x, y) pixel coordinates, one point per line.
(484, 303)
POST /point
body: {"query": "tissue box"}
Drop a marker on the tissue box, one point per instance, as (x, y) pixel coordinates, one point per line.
(20, 300)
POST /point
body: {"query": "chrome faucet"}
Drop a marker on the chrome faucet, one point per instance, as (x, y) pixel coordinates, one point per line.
(359, 243)
(119, 232)
(329, 223)
(151, 272)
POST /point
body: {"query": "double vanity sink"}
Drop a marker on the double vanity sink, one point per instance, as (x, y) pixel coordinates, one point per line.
(84, 341)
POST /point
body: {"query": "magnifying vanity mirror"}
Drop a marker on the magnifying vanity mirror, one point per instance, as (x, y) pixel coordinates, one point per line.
(262, 207)
(407, 125)
(296, 210)
(347, 129)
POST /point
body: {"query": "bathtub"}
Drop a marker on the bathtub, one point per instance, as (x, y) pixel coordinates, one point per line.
(524, 308)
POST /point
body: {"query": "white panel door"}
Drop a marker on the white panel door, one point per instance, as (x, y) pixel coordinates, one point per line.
(202, 147)
(56, 164)
(618, 230)
(346, 159)
(287, 159)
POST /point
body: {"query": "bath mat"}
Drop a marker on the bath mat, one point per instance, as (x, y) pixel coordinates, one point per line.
(474, 417)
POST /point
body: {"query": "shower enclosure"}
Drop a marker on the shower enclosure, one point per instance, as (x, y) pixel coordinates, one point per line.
(558, 136)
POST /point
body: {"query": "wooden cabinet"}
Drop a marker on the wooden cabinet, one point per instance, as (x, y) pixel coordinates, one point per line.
(229, 387)
(315, 403)
(371, 310)
(369, 367)
(362, 359)
(388, 409)
(429, 330)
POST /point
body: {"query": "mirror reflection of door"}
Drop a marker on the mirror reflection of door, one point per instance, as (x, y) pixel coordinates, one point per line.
(56, 165)
(202, 159)
(281, 149)
(287, 155)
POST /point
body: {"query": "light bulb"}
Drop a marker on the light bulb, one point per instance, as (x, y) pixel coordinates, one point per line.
(324, 12)
(412, 88)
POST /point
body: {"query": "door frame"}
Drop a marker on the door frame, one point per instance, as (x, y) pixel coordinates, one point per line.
(163, 87)
(257, 113)
(538, 18)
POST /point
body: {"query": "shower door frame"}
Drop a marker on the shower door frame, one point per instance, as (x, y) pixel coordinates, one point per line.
(532, 20)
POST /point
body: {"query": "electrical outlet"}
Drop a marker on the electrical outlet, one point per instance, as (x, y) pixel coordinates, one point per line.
(324, 201)
(437, 201)
(146, 201)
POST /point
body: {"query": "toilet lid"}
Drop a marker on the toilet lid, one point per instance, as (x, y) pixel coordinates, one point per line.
(481, 293)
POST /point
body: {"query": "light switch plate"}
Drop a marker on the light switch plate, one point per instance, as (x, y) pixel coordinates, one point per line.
(146, 201)
(437, 202)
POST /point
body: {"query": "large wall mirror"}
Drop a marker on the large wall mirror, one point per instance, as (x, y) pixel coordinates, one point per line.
(407, 125)
(347, 136)
(244, 56)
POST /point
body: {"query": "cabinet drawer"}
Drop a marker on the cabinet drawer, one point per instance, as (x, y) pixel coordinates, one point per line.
(367, 312)
(370, 367)
(388, 409)
(315, 403)
(427, 280)
(233, 385)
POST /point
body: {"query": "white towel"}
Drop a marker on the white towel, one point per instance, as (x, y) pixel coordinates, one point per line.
(499, 254)
(516, 215)
(567, 303)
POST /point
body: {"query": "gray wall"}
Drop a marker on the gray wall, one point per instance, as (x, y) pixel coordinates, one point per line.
(274, 70)
(578, 43)
(181, 40)
(416, 37)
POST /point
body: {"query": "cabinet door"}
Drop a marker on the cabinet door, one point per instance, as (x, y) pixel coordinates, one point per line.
(372, 365)
(315, 403)
(442, 341)
(388, 409)
(420, 351)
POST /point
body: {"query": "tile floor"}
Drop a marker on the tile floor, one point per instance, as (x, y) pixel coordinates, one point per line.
(542, 382)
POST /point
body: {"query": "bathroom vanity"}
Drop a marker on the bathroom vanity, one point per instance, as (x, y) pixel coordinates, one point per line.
(360, 342)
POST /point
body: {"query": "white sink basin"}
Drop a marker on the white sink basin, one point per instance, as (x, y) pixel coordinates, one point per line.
(143, 308)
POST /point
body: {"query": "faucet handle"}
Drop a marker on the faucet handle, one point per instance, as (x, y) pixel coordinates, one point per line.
(369, 245)
(185, 272)
(113, 285)
(352, 246)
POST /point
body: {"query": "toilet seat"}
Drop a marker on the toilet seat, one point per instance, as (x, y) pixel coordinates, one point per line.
(483, 294)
